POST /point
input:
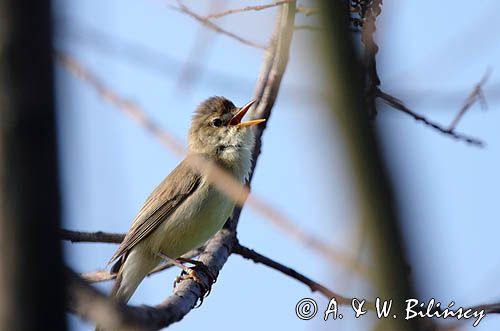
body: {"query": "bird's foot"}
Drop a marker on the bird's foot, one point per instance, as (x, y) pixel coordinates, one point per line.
(192, 273)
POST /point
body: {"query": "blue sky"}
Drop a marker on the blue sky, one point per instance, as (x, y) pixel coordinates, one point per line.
(448, 190)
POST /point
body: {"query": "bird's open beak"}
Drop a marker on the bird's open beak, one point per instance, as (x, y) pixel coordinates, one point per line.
(236, 120)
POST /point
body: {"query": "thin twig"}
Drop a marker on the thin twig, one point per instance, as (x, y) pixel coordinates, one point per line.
(475, 95)
(398, 104)
(247, 8)
(220, 178)
(314, 286)
(185, 10)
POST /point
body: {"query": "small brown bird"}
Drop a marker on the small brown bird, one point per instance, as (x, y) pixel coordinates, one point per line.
(186, 210)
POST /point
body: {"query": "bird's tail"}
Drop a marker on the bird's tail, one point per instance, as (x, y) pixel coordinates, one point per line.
(130, 274)
(132, 271)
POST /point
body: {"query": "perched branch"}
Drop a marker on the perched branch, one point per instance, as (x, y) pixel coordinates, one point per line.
(248, 253)
(398, 104)
(220, 178)
(475, 94)
(247, 8)
(292, 230)
(185, 10)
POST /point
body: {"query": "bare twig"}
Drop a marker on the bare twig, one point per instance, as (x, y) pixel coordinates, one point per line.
(475, 95)
(96, 237)
(105, 237)
(220, 178)
(247, 8)
(398, 104)
(185, 10)
(202, 43)
(314, 286)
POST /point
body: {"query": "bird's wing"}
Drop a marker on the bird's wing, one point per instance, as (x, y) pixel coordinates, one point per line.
(162, 202)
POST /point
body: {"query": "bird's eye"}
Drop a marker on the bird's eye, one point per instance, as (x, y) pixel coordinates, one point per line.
(216, 122)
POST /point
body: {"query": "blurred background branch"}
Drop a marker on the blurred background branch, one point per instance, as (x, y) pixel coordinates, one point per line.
(373, 187)
(32, 297)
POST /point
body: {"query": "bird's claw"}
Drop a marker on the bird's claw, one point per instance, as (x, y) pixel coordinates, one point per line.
(192, 273)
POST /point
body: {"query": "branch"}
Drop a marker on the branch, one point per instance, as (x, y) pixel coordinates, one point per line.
(91, 304)
(370, 52)
(371, 184)
(95, 237)
(248, 253)
(291, 229)
(475, 94)
(218, 249)
(185, 10)
(398, 104)
(247, 8)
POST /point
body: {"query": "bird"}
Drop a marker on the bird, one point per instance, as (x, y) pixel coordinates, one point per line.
(186, 209)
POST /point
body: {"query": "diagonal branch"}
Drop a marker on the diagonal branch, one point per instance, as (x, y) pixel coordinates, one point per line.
(398, 104)
(250, 254)
(247, 8)
(218, 249)
(475, 95)
(185, 10)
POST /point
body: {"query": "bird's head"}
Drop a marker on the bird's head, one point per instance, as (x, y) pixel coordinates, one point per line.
(217, 130)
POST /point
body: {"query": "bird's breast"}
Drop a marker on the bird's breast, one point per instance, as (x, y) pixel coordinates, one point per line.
(194, 222)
